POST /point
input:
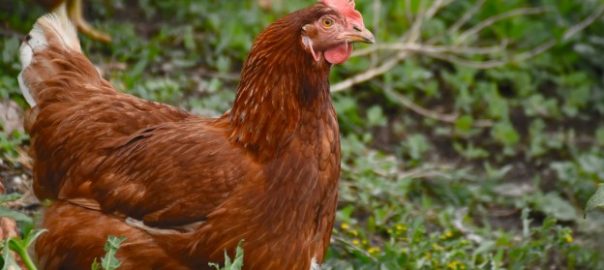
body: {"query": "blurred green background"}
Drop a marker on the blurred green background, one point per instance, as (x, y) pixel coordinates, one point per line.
(474, 142)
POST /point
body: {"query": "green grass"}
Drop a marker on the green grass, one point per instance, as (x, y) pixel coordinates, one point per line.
(448, 163)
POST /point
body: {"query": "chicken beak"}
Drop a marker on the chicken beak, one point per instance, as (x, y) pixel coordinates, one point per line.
(359, 34)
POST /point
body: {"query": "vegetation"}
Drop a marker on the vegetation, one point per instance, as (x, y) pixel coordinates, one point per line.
(235, 264)
(471, 134)
(109, 261)
(20, 247)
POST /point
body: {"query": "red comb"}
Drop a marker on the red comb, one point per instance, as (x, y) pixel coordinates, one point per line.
(349, 3)
(346, 8)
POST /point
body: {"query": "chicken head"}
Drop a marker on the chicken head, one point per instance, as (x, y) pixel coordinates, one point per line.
(331, 35)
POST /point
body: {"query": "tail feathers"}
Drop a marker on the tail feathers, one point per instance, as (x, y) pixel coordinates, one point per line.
(54, 31)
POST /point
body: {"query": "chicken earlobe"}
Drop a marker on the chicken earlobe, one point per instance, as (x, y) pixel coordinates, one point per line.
(310, 46)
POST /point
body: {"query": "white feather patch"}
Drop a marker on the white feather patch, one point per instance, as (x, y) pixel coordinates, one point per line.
(26, 55)
(61, 27)
(25, 91)
(36, 39)
(314, 265)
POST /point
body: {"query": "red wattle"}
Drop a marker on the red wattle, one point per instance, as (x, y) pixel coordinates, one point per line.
(339, 54)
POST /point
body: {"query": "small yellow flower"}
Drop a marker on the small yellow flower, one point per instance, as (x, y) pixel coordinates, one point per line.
(356, 242)
(568, 238)
(437, 247)
(345, 226)
(374, 250)
(446, 235)
(400, 228)
(456, 265)
(354, 232)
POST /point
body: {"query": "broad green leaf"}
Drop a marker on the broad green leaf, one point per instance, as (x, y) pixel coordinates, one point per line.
(7, 257)
(109, 261)
(596, 202)
(21, 246)
(600, 136)
(464, 124)
(554, 205)
(375, 116)
(17, 216)
(235, 264)
(31, 236)
(95, 265)
(9, 197)
(505, 133)
(416, 145)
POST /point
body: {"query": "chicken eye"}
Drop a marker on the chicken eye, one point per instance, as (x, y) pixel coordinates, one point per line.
(328, 22)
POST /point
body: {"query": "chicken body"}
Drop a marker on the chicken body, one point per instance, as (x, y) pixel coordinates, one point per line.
(181, 188)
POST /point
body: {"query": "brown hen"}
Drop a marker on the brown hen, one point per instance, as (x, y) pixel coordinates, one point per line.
(181, 188)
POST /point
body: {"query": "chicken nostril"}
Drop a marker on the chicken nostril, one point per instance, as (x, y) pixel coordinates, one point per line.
(356, 28)
(27, 38)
